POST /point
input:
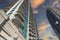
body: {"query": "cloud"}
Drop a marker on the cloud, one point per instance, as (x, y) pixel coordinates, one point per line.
(50, 37)
(35, 11)
(42, 27)
(36, 3)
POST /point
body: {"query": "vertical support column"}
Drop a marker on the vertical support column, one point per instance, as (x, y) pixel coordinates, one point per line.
(28, 20)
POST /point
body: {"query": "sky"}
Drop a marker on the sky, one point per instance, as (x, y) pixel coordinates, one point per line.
(39, 11)
(5, 3)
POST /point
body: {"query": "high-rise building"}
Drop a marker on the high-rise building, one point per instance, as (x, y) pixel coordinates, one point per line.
(53, 15)
(9, 29)
(33, 33)
(17, 22)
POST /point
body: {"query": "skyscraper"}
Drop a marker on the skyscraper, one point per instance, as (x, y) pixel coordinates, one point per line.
(17, 22)
(33, 33)
(53, 15)
(8, 29)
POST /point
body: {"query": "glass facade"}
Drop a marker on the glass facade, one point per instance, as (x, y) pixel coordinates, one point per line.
(21, 19)
(16, 23)
(20, 12)
(54, 19)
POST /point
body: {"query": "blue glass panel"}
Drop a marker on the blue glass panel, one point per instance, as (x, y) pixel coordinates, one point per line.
(25, 23)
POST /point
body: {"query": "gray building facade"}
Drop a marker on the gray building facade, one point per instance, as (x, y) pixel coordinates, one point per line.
(17, 22)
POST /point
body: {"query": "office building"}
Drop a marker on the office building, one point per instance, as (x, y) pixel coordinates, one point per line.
(12, 20)
(33, 32)
(17, 22)
(53, 15)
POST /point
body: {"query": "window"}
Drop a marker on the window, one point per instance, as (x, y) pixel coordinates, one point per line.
(19, 17)
(2, 38)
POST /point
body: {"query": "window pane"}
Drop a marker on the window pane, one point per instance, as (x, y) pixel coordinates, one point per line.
(1, 38)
